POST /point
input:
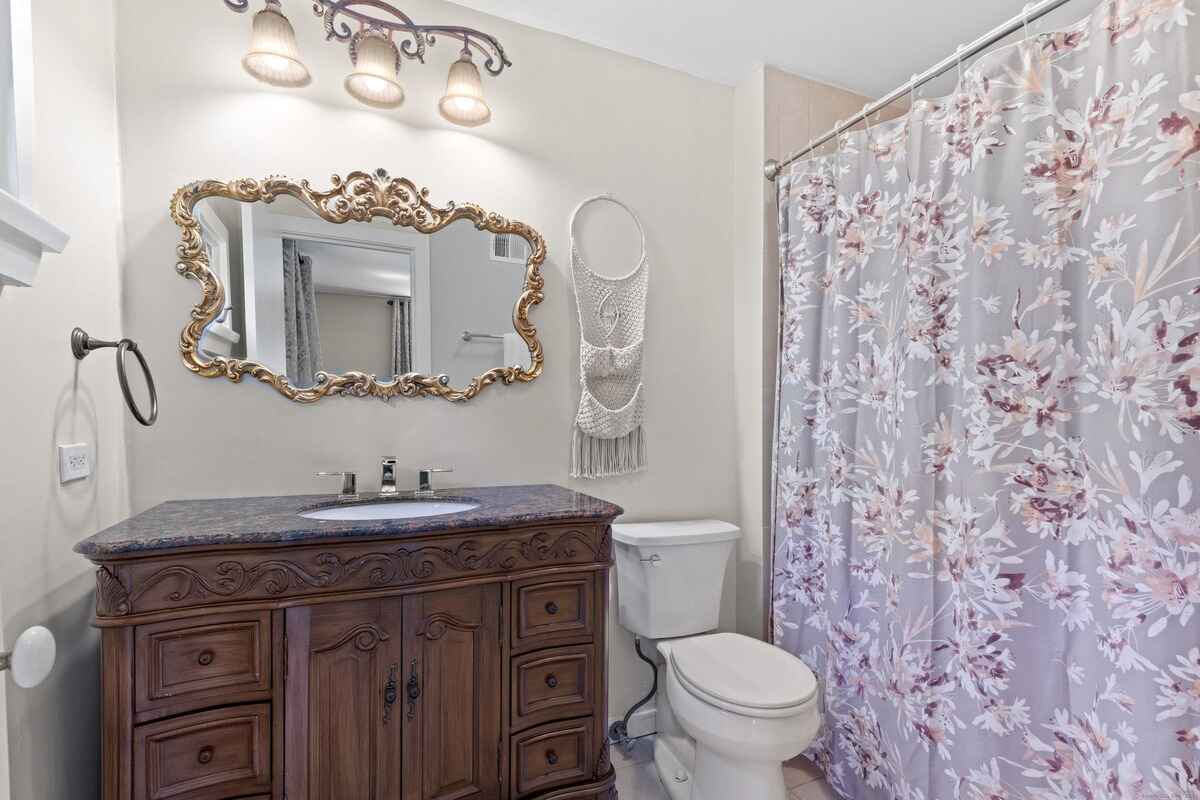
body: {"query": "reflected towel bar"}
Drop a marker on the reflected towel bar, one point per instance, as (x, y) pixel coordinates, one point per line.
(82, 345)
(468, 336)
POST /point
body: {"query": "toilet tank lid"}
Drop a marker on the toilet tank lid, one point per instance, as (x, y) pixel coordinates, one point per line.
(666, 534)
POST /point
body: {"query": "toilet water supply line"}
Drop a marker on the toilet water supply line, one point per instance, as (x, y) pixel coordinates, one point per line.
(618, 732)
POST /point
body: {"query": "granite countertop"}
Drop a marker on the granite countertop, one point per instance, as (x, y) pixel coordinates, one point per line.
(277, 520)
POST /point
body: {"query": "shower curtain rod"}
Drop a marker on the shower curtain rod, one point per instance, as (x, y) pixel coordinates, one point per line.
(1032, 12)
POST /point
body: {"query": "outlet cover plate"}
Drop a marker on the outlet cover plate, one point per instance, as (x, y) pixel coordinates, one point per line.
(74, 462)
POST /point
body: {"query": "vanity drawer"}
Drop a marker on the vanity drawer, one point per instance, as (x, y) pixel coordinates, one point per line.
(206, 756)
(553, 684)
(552, 755)
(559, 611)
(184, 665)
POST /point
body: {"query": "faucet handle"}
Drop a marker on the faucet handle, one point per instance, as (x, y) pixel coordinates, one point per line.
(349, 483)
(425, 480)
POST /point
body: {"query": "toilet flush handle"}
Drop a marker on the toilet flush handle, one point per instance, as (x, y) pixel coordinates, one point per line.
(654, 560)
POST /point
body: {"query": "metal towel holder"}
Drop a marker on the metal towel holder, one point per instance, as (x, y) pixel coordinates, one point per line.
(82, 345)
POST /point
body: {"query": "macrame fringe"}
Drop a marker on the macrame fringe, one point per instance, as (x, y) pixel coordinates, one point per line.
(606, 458)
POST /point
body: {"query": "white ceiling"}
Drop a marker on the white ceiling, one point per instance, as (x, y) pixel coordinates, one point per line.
(869, 46)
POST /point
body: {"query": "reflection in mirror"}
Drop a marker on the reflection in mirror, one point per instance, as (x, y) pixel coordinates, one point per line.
(305, 296)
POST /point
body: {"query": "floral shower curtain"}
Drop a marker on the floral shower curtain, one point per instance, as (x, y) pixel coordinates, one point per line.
(987, 539)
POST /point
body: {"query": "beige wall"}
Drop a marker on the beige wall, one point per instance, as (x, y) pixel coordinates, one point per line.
(775, 114)
(356, 333)
(470, 292)
(53, 730)
(570, 120)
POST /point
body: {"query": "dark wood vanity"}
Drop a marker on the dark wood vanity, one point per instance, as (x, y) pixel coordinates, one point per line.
(249, 653)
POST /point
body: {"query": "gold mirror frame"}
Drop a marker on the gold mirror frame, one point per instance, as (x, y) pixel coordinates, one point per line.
(359, 197)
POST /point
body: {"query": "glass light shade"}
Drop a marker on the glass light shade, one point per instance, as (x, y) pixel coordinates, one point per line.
(464, 103)
(273, 56)
(376, 76)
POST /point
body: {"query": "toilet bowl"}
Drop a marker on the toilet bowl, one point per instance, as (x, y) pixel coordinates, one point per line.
(748, 706)
(730, 709)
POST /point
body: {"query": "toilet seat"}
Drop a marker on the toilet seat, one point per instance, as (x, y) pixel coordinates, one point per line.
(742, 675)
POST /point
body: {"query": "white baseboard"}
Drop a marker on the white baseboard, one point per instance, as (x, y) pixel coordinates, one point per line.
(642, 723)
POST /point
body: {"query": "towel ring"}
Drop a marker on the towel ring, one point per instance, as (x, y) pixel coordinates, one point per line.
(82, 345)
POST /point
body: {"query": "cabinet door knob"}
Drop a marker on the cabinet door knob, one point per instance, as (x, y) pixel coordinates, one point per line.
(552, 681)
(205, 755)
(551, 757)
(205, 658)
(552, 608)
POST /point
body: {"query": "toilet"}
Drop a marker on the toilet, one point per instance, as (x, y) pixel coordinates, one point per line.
(730, 709)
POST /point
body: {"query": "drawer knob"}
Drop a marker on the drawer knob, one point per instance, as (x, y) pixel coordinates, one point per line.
(205, 755)
(552, 608)
(551, 757)
(552, 681)
(206, 658)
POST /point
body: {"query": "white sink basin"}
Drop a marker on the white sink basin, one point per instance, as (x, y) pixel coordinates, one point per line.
(404, 509)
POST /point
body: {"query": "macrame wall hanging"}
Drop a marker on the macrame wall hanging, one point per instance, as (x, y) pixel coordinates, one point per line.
(608, 439)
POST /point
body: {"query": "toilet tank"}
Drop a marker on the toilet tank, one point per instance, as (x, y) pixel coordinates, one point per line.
(670, 575)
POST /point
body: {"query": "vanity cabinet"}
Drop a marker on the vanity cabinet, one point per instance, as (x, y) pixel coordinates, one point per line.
(454, 665)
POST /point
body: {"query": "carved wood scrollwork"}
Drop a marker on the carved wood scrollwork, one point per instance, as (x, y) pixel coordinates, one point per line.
(436, 625)
(603, 763)
(366, 637)
(359, 197)
(112, 599)
(198, 581)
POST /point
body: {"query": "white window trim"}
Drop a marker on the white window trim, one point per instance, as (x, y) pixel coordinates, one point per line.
(25, 235)
(216, 235)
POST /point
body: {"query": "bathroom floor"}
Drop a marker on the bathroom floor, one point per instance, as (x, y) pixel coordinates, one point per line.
(638, 780)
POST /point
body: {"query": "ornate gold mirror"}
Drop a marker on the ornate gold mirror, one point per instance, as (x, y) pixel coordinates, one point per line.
(363, 289)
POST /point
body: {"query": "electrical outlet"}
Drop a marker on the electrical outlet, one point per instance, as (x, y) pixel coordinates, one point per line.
(74, 462)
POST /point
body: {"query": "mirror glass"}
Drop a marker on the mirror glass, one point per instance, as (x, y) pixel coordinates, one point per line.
(304, 295)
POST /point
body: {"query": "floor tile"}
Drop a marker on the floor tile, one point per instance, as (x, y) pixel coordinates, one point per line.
(816, 790)
(800, 771)
(642, 752)
(640, 782)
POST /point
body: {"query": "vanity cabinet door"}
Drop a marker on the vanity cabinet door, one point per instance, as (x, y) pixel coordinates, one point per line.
(452, 695)
(344, 713)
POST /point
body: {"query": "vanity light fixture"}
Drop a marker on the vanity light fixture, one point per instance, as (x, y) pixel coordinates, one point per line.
(273, 56)
(463, 103)
(376, 76)
(378, 35)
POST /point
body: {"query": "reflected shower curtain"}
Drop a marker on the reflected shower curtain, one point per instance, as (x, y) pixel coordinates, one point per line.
(302, 338)
(401, 349)
(987, 535)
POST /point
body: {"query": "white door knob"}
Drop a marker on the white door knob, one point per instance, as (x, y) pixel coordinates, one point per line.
(32, 657)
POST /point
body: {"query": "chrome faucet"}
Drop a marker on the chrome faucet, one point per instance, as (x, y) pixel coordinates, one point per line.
(425, 481)
(387, 481)
(349, 484)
